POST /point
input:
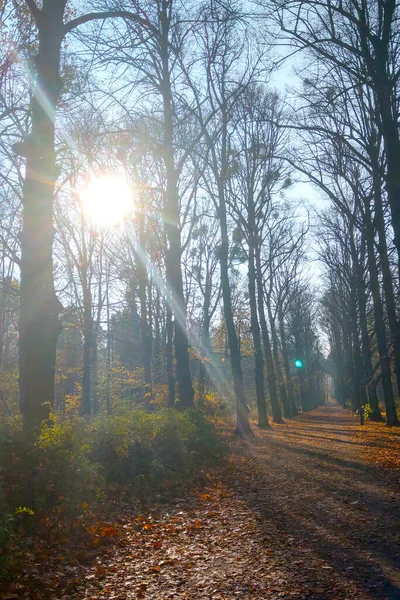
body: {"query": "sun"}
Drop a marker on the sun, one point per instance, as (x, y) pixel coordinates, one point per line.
(107, 199)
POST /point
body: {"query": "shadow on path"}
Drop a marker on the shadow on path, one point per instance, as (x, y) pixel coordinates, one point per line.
(331, 515)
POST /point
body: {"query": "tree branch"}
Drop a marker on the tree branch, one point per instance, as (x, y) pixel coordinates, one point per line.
(35, 10)
(113, 14)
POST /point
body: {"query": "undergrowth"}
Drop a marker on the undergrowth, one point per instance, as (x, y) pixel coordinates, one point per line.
(78, 471)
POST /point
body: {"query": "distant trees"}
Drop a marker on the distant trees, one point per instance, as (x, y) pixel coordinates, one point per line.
(361, 40)
(347, 108)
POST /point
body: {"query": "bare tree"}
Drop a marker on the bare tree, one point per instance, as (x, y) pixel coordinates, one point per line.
(40, 307)
(227, 74)
(362, 39)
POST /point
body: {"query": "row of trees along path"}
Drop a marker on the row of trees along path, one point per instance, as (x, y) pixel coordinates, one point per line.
(295, 512)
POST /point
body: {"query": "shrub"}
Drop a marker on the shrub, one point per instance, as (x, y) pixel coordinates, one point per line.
(7, 537)
(143, 452)
(52, 474)
(204, 444)
(66, 474)
(214, 405)
(122, 445)
(367, 411)
(76, 465)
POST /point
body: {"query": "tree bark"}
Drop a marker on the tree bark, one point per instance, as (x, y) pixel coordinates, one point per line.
(384, 84)
(170, 360)
(387, 278)
(375, 415)
(172, 227)
(271, 377)
(88, 335)
(380, 328)
(145, 328)
(360, 395)
(255, 330)
(108, 354)
(205, 347)
(287, 412)
(286, 364)
(39, 325)
(157, 337)
(242, 411)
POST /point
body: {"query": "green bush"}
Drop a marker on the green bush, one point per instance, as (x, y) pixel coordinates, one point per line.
(43, 482)
(148, 452)
(173, 433)
(205, 444)
(52, 474)
(66, 472)
(122, 445)
(74, 466)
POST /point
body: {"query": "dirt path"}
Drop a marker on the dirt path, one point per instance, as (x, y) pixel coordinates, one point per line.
(295, 513)
(335, 518)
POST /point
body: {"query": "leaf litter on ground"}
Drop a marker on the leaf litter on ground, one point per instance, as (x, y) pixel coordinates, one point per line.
(296, 512)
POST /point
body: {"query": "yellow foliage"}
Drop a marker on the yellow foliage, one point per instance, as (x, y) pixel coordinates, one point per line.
(9, 393)
(23, 510)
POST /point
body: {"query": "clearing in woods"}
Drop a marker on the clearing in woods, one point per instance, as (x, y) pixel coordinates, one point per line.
(297, 512)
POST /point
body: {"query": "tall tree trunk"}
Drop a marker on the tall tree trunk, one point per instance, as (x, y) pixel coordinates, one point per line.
(86, 407)
(221, 174)
(287, 412)
(386, 98)
(286, 364)
(360, 395)
(338, 378)
(356, 286)
(88, 333)
(3, 332)
(375, 415)
(108, 354)
(242, 411)
(170, 359)
(95, 375)
(145, 329)
(380, 328)
(348, 379)
(205, 342)
(205, 347)
(301, 374)
(387, 279)
(271, 377)
(157, 337)
(255, 330)
(172, 227)
(39, 326)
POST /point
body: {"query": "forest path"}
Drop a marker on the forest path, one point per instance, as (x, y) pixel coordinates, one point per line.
(295, 513)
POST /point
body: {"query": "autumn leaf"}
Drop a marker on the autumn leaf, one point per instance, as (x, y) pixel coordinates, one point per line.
(155, 569)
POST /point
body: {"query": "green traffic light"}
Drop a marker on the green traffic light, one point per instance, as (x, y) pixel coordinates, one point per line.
(298, 363)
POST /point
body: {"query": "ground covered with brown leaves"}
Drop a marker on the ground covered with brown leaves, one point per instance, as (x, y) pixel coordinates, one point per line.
(306, 510)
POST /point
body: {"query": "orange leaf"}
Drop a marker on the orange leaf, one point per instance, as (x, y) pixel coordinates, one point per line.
(155, 569)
